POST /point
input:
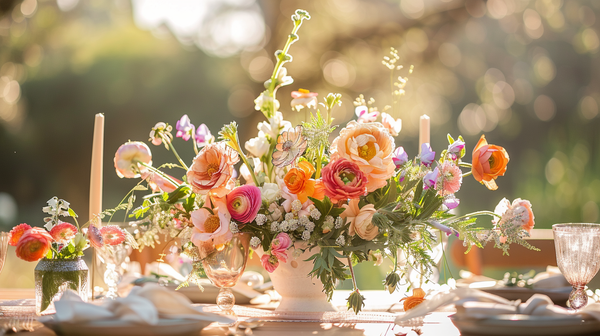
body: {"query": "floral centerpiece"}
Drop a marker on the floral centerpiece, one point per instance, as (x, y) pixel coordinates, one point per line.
(59, 247)
(345, 199)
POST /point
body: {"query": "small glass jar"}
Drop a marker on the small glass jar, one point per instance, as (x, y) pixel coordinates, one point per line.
(54, 276)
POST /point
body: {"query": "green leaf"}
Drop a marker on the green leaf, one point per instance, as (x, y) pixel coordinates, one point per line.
(450, 139)
(418, 191)
(72, 213)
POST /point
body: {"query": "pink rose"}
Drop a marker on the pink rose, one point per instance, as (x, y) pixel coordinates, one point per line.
(243, 203)
(129, 157)
(360, 220)
(279, 246)
(343, 179)
(212, 170)
(269, 262)
(34, 244)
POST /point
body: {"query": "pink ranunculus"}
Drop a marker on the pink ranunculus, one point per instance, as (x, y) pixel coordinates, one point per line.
(343, 179)
(17, 232)
(279, 246)
(128, 158)
(364, 116)
(393, 125)
(212, 170)
(450, 178)
(63, 232)
(34, 244)
(269, 262)
(243, 203)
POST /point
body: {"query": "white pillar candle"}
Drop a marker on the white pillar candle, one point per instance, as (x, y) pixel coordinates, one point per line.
(423, 131)
(96, 171)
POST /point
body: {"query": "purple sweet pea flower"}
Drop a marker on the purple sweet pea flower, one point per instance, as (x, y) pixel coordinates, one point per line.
(203, 136)
(443, 228)
(427, 155)
(455, 148)
(430, 179)
(400, 157)
(184, 127)
(451, 202)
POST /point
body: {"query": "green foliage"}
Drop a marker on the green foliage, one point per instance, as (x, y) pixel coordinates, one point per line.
(355, 301)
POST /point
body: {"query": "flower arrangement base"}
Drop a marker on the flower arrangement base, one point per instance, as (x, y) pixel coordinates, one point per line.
(299, 292)
(54, 276)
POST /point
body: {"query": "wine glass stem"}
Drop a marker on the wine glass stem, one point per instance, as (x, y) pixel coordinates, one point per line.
(578, 297)
(225, 299)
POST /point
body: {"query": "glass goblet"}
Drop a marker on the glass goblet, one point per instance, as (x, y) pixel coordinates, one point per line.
(112, 258)
(225, 265)
(578, 257)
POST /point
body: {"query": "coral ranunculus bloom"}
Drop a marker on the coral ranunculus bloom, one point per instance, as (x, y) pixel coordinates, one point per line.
(489, 162)
(371, 147)
(299, 182)
(34, 244)
(17, 232)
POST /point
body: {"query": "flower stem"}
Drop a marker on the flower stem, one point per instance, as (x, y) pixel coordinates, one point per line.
(354, 287)
(194, 140)
(249, 168)
(280, 60)
(156, 171)
(177, 155)
(473, 214)
(319, 157)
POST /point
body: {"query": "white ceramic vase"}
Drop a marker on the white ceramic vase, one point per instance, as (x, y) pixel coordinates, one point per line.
(299, 292)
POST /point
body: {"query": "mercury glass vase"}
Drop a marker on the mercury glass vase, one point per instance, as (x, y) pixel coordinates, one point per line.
(578, 257)
(54, 276)
(225, 265)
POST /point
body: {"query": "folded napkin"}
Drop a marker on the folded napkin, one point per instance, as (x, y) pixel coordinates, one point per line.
(478, 304)
(551, 279)
(145, 305)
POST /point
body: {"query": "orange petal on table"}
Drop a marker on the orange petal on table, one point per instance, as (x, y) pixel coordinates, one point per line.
(412, 301)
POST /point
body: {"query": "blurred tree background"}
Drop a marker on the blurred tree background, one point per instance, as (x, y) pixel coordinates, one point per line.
(524, 72)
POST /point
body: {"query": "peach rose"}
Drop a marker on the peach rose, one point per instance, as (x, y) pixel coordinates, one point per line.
(371, 147)
(489, 162)
(360, 220)
(212, 170)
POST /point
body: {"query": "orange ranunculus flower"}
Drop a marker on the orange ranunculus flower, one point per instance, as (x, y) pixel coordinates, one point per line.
(416, 299)
(489, 162)
(371, 147)
(299, 182)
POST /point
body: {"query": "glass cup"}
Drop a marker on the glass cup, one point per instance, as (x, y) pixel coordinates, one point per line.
(578, 257)
(225, 265)
(4, 238)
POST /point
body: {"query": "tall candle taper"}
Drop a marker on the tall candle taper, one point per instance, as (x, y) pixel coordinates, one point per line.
(96, 181)
(96, 174)
(423, 131)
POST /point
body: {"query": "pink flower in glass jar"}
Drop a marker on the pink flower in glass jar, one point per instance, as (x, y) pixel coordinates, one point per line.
(34, 244)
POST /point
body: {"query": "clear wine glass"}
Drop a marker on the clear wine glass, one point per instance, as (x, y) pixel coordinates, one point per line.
(112, 257)
(225, 266)
(4, 238)
(578, 256)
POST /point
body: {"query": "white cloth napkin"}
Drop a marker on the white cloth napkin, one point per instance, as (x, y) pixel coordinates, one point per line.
(551, 279)
(144, 305)
(478, 304)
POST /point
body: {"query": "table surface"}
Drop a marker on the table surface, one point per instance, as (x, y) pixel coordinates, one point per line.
(12, 302)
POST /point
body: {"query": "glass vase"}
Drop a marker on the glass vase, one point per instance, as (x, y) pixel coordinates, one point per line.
(54, 276)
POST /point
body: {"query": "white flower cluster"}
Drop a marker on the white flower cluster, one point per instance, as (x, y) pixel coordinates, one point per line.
(254, 242)
(233, 227)
(341, 241)
(261, 219)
